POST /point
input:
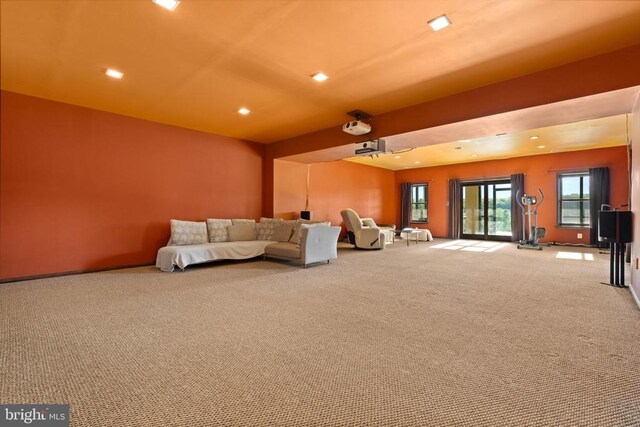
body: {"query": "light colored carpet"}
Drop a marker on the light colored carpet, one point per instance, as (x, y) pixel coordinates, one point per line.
(409, 336)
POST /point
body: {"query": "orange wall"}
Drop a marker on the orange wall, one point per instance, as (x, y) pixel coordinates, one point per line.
(334, 186)
(635, 202)
(534, 168)
(290, 180)
(83, 189)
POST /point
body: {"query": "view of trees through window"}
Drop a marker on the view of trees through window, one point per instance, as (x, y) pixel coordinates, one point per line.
(501, 207)
(486, 209)
(573, 200)
(419, 202)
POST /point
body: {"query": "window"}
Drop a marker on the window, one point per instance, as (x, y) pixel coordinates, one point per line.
(573, 200)
(419, 202)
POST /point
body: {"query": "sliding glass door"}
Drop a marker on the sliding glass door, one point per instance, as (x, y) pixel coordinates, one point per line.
(486, 210)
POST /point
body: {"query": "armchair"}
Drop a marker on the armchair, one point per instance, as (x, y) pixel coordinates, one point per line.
(389, 230)
(363, 237)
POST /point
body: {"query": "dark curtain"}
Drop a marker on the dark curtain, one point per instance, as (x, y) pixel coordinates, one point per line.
(598, 195)
(517, 190)
(454, 209)
(405, 204)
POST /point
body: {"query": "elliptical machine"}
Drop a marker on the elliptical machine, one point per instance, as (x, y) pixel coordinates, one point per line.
(531, 213)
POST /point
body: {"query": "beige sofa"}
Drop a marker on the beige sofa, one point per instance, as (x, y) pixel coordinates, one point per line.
(305, 242)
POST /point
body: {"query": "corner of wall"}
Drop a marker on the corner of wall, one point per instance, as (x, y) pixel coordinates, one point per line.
(635, 198)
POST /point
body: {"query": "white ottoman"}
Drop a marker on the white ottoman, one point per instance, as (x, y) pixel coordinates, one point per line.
(389, 234)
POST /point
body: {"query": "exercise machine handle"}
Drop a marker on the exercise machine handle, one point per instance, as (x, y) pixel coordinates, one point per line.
(540, 202)
(518, 200)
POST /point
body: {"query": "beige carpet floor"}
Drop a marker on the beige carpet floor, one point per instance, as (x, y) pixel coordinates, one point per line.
(433, 334)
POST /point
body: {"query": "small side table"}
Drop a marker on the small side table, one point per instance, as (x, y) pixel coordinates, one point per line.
(411, 232)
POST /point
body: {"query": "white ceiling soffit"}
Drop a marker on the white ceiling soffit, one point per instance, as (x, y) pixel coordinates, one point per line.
(560, 118)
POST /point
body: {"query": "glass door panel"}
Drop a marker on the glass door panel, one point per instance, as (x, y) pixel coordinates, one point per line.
(499, 203)
(486, 210)
(473, 218)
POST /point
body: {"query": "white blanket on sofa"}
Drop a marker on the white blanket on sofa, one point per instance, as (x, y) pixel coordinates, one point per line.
(182, 256)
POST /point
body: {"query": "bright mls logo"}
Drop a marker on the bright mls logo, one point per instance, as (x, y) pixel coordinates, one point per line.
(34, 415)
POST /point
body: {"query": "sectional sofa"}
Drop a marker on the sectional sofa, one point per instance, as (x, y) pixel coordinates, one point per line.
(305, 242)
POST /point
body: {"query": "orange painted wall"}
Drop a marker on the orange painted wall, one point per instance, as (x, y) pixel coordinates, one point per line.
(534, 168)
(334, 186)
(290, 183)
(635, 202)
(83, 189)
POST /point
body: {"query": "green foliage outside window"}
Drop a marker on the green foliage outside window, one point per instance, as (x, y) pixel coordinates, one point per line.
(419, 203)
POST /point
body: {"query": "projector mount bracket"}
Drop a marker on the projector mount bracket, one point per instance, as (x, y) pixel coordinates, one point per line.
(359, 115)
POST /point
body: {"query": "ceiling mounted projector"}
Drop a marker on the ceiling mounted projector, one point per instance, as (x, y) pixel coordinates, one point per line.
(370, 148)
(356, 127)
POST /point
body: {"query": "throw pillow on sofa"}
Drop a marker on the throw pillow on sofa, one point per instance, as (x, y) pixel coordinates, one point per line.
(242, 232)
(264, 229)
(217, 229)
(188, 232)
(282, 232)
(296, 229)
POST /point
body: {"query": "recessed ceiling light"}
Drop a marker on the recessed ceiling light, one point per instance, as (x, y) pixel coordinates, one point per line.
(474, 155)
(244, 111)
(541, 146)
(114, 73)
(167, 4)
(534, 137)
(464, 140)
(319, 77)
(396, 157)
(439, 23)
(417, 162)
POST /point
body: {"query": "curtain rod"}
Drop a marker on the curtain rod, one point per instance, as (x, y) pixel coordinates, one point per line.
(572, 169)
(485, 178)
(418, 182)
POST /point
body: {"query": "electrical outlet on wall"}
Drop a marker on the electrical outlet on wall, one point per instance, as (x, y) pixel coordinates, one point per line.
(579, 235)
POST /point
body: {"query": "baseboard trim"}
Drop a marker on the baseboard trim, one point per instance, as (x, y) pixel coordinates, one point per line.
(69, 273)
(635, 296)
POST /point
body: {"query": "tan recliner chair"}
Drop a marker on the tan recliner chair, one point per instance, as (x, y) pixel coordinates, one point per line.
(363, 237)
(389, 230)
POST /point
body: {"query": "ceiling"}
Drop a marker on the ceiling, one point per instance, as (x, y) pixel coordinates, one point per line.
(196, 66)
(595, 133)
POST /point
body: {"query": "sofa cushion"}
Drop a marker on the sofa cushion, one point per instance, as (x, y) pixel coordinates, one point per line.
(282, 232)
(293, 223)
(296, 230)
(188, 232)
(284, 250)
(217, 229)
(235, 221)
(264, 229)
(241, 232)
(182, 256)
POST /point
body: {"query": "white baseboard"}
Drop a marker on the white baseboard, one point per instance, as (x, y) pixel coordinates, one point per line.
(635, 297)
